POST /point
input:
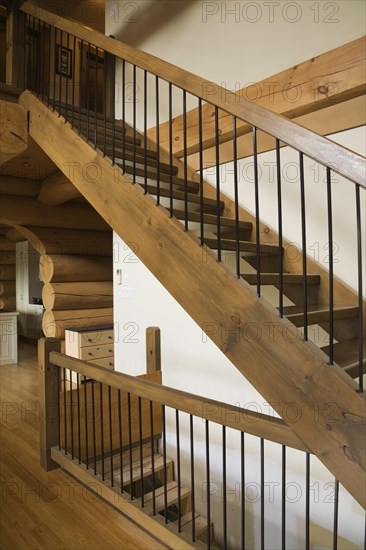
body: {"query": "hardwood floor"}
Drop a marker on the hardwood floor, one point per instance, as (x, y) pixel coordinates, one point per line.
(41, 510)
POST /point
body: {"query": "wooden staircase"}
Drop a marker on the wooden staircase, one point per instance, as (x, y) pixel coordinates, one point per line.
(186, 265)
(144, 486)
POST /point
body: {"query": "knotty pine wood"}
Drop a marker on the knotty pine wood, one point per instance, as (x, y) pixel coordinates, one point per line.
(175, 258)
(325, 80)
(48, 510)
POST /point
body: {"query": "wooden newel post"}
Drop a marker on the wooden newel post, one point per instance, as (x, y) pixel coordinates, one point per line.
(49, 401)
(153, 351)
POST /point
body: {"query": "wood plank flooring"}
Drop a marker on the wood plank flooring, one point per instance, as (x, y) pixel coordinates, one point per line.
(41, 510)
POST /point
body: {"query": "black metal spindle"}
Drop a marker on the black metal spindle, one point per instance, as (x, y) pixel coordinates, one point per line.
(335, 516)
(242, 488)
(224, 496)
(307, 502)
(193, 506)
(120, 437)
(236, 199)
(87, 92)
(279, 215)
(42, 60)
(185, 160)
(152, 457)
(110, 434)
(218, 209)
(283, 535)
(26, 48)
(303, 239)
(114, 113)
(179, 503)
(96, 98)
(86, 425)
(129, 419)
(67, 77)
(94, 429)
(34, 56)
(200, 139)
(54, 66)
(257, 220)
(124, 115)
(134, 122)
(141, 453)
(262, 492)
(80, 82)
(145, 131)
(101, 427)
(165, 467)
(59, 407)
(60, 75)
(73, 83)
(71, 417)
(208, 485)
(104, 103)
(360, 290)
(171, 150)
(331, 281)
(157, 102)
(65, 411)
(79, 414)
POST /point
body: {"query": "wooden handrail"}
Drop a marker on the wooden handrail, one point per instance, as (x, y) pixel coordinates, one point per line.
(260, 425)
(341, 160)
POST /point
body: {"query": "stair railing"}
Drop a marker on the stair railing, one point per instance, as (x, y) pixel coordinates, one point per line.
(124, 431)
(61, 53)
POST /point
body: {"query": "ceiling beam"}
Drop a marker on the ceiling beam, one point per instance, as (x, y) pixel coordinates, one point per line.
(328, 79)
(20, 187)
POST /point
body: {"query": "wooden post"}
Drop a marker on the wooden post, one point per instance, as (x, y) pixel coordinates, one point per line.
(15, 46)
(153, 352)
(49, 376)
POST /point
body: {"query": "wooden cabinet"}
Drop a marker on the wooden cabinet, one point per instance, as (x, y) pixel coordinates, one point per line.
(28, 286)
(94, 345)
(8, 338)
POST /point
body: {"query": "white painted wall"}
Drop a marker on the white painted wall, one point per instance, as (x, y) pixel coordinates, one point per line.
(231, 50)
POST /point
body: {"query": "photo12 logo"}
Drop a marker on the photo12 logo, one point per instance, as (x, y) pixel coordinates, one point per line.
(270, 12)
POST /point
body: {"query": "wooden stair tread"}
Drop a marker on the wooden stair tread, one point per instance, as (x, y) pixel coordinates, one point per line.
(136, 469)
(150, 163)
(345, 354)
(211, 219)
(172, 495)
(318, 314)
(180, 195)
(199, 521)
(244, 246)
(192, 186)
(274, 278)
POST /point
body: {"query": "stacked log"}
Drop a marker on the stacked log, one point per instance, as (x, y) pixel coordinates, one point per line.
(77, 270)
(7, 274)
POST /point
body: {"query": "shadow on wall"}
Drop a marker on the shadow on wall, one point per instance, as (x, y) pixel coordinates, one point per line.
(139, 20)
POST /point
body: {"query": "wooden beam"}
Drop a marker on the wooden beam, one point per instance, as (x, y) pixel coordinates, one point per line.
(49, 387)
(7, 272)
(19, 187)
(57, 189)
(325, 80)
(8, 303)
(341, 160)
(72, 242)
(13, 131)
(81, 295)
(64, 269)
(337, 118)
(153, 349)
(26, 211)
(284, 373)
